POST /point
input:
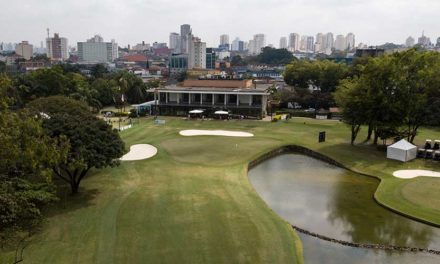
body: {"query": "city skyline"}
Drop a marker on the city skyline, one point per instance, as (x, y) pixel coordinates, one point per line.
(137, 20)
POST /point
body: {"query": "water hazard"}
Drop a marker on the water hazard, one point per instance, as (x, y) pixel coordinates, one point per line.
(336, 203)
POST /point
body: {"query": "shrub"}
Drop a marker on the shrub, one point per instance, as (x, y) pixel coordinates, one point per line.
(296, 113)
(120, 114)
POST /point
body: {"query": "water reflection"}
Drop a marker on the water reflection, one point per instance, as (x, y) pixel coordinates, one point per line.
(336, 203)
(351, 206)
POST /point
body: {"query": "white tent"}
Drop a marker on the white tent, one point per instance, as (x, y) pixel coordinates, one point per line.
(221, 113)
(197, 111)
(402, 150)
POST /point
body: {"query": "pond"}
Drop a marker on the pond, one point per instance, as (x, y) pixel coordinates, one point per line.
(336, 203)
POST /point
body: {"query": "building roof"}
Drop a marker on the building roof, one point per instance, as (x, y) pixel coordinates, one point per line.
(135, 58)
(218, 83)
(334, 110)
(322, 111)
(260, 89)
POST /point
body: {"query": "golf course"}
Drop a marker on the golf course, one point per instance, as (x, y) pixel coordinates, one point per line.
(192, 202)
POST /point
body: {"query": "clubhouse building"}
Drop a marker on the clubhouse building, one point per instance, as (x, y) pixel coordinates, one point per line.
(236, 96)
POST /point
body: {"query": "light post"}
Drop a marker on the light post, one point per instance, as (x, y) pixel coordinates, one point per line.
(120, 108)
(156, 98)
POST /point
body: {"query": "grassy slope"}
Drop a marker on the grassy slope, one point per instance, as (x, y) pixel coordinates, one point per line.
(192, 203)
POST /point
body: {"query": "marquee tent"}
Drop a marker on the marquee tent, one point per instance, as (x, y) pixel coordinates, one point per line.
(402, 150)
(197, 111)
(221, 113)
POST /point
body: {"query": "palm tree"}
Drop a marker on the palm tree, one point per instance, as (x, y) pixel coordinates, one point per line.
(122, 89)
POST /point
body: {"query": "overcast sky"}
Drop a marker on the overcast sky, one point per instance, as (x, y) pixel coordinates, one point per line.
(131, 21)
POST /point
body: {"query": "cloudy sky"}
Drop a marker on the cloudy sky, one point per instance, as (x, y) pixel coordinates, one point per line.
(131, 21)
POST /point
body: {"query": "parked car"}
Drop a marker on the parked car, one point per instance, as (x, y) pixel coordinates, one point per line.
(310, 110)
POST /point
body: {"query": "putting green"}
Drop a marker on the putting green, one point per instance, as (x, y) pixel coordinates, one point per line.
(193, 203)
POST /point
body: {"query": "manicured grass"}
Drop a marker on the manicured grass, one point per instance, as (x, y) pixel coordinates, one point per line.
(193, 203)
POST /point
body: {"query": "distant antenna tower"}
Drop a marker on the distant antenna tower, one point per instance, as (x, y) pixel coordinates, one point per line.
(48, 36)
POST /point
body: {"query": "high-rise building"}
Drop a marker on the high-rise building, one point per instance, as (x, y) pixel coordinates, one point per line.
(56, 48)
(95, 50)
(7, 46)
(251, 47)
(25, 50)
(235, 44)
(438, 42)
(320, 43)
(196, 53)
(318, 47)
(340, 43)
(329, 42)
(159, 45)
(41, 49)
(350, 41)
(283, 43)
(141, 46)
(410, 42)
(224, 42)
(210, 58)
(242, 46)
(257, 44)
(303, 43)
(310, 44)
(185, 38)
(224, 39)
(246, 45)
(185, 29)
(294, 41)
(178, 63)
(238, 45)
(424, 41)
(174, 43)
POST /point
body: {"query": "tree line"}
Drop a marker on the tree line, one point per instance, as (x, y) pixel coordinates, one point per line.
(49, 135)
(101, 88)
(393, 95)
(313, 82)
(268, 56)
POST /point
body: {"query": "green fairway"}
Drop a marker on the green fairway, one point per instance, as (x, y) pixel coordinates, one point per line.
(193, 203)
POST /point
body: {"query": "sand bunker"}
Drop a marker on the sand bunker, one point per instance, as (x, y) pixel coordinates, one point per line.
(140, 152)
(215, 133)
(409, 174)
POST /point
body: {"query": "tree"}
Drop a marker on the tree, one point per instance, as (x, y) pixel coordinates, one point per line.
(301, 74)
(418, 80)
(68, 68)
(6, 89)
(103, 91)
(2, 67)
(237, 60)
(349, 96)
(43, 82)
(98, 71)
(181, 76)
(274, 56)
(93, 143)
(400, 93)
(27, 156)
(130, 86)
(325, 74)
(40, 57)
(330, 74)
